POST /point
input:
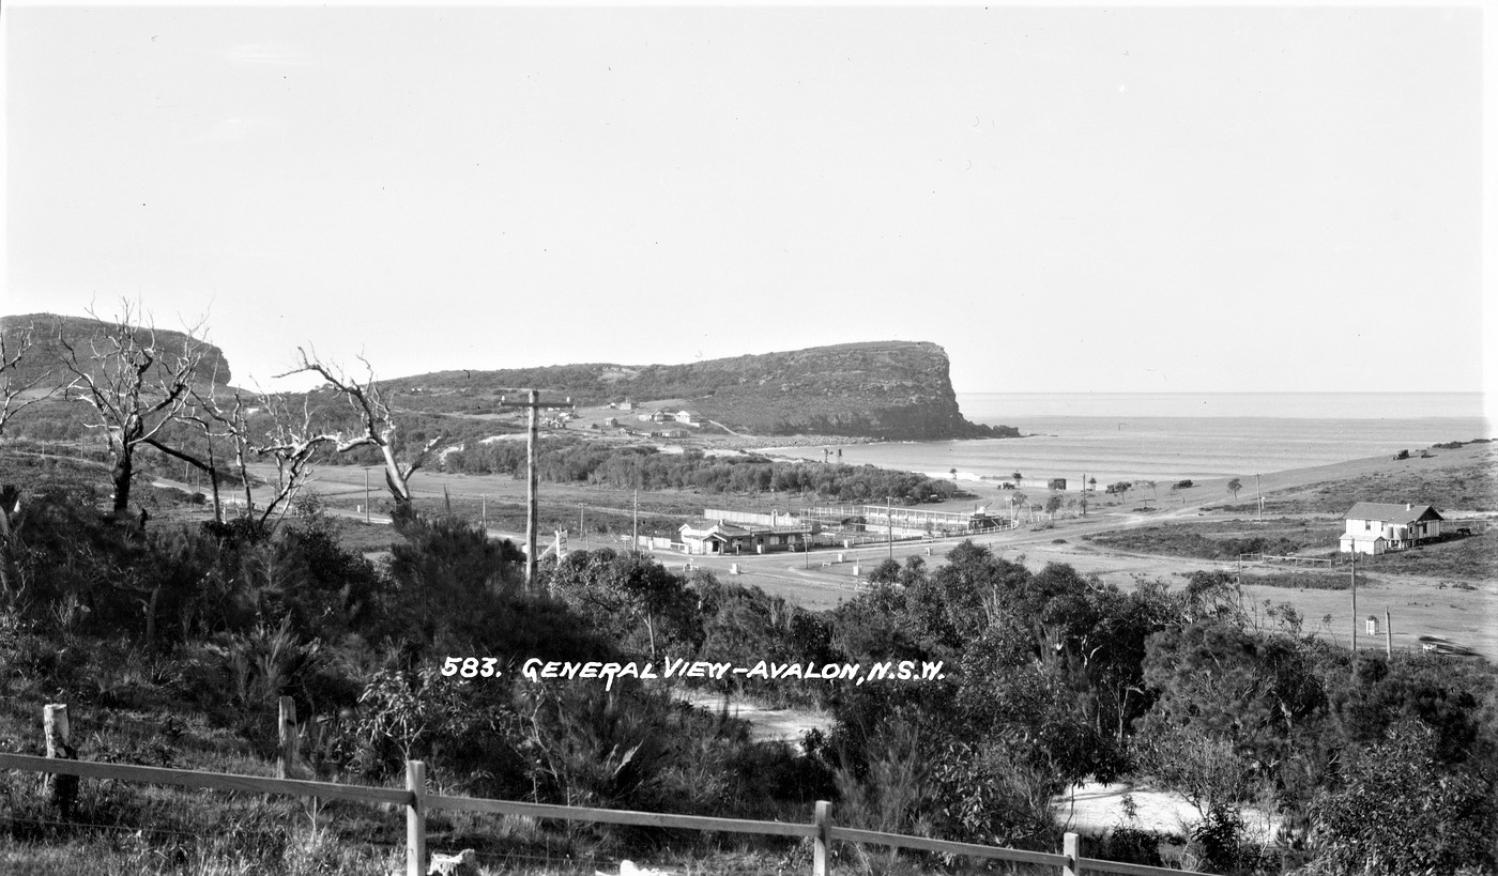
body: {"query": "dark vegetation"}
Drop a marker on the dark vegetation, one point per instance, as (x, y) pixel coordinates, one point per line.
(172, 644)
(645, 468)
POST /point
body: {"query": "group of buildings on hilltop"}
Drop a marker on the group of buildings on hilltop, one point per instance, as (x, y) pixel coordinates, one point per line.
(684, 417)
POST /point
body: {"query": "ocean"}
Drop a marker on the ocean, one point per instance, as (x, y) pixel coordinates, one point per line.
(1174, 436)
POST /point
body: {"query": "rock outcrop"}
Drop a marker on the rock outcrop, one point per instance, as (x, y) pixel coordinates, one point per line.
(893, 390)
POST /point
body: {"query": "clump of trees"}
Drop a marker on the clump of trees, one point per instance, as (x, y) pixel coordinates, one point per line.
(1056, 678)
(647, 468)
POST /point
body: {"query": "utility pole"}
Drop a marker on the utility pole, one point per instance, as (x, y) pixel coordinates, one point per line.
(1354, 608)
(1260, 493)
(533, 403)
(1388, 635)
(366, 495)
(581, 533)
(889, 510)
(636, 545)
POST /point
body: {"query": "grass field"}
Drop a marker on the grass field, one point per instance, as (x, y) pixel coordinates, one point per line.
(1462, 480)
(1226, 539)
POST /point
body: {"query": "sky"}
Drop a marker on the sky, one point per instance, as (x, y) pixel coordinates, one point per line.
(1067, 199)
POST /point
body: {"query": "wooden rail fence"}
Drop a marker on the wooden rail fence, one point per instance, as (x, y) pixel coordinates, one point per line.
(418, 803)
(1291, 560)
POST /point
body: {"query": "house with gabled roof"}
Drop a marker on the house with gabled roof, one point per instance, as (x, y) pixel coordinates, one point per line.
(1379, 527)
(722, 537)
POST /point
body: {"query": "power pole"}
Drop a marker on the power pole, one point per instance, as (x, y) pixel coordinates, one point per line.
(889, 510)
(366, 495)
(1388, 635)
(533, 403)
(636, 545)
(1260, 493)
(1354, 608)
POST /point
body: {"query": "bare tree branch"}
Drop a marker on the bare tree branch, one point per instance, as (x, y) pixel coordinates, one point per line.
(12, 392)
(378, 427)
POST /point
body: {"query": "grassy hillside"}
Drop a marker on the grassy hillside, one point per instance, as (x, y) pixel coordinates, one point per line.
(42, 364)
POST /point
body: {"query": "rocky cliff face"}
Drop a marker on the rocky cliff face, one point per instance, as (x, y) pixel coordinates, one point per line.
(897, 390)
(43, 361)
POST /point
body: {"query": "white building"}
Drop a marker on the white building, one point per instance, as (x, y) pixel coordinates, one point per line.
(1377, 527)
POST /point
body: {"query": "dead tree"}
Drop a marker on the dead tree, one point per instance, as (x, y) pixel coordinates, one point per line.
(136, 387)
(14, 391)
(291, 442)
(14, 398)
(377, 426)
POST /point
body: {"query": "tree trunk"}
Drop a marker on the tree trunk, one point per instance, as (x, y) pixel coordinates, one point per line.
(124, 468)
(8, 571)
(218, 508)
(397, 484)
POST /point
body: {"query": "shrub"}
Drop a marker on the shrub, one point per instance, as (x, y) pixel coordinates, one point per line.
(1399, 812)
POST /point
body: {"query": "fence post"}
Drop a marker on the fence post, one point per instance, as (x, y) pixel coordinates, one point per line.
(822, 842)
(416, 819)
(59, 790)
(1071, 847)
(286, 762)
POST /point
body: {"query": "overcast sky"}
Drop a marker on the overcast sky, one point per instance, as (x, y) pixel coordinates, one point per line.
(1066, 199)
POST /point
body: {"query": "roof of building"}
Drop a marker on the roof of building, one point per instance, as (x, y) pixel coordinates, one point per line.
(1389, 512)
(707, 528)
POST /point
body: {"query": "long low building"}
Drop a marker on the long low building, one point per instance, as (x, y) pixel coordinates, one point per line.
(904, 522)
(719, 537)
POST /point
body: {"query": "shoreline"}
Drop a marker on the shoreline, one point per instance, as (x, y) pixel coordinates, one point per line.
(1202, 458)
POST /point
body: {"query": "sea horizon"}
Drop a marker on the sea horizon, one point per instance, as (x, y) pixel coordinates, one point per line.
(993, 407)
(1176, 436)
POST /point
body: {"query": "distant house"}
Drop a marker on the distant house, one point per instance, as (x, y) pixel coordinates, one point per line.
(689, 418)
(626, 405)
(719, 537)
(713, 537)
(1378, 527)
